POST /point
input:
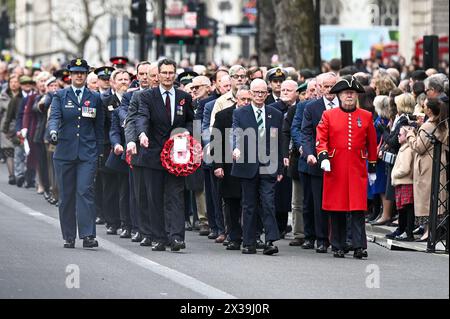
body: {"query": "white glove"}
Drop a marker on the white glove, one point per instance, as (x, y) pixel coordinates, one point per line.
(24, 132)
(326, 166)
(372, 179)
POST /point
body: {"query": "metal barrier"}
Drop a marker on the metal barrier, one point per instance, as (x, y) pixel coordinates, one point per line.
(439, 229)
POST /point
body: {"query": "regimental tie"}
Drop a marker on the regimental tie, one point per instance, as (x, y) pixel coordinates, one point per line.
(168, 105)
(260, 121)
(78, 93)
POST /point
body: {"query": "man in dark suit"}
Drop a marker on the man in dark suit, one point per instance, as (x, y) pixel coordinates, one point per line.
(229, 187)
(127, 113)
(162, 112)
(76, 126)
(303, 191)
(311, 119)
(283, 191)
(257, 135)
(120, 80)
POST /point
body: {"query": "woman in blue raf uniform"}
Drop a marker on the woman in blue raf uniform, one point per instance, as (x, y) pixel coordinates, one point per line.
(76, 127)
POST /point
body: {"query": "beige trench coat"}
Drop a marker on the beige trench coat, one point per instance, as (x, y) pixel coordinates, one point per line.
(423, 166)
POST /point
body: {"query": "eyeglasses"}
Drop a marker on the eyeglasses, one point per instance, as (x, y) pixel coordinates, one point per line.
(237, 77)
(259, 92)
(197, 87)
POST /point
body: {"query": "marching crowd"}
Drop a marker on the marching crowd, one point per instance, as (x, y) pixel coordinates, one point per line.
(353, 146)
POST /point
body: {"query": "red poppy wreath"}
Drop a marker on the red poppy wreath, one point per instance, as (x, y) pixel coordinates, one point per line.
(182, 155)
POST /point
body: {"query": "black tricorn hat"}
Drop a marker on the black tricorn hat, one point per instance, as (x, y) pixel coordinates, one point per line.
(347, 83)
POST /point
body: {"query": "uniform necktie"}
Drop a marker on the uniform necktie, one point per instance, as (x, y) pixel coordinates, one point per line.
(260, 121)
(78, 93)
(168, 105)
(331, 104)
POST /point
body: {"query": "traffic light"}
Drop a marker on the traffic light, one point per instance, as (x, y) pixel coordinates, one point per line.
(138, 20)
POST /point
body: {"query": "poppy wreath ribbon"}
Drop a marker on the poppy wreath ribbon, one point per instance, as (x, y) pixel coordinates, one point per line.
(185, 168)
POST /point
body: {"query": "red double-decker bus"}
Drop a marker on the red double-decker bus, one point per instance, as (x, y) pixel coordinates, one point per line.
(443, 50)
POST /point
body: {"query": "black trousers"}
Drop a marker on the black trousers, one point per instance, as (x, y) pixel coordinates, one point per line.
(406, 220)
(98, 186)
(232, 207)
(308, 207)
(260, 189)
(124, 201)
(43, 166)
(141, 201)
(134, 211)
(165, 195)
(320, 217)
(110, 190)
(339, 230)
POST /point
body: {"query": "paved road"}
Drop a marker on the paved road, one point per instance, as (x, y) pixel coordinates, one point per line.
(33, 264)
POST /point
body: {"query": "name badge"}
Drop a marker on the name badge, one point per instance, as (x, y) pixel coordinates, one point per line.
(180, 111)
(69, 105)
(88, 112)
(110, 108)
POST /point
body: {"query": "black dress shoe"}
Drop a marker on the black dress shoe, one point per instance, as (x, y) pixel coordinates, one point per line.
(99, 221)
(234, 246)
(47, 196)
(297, 242)
(146, 242)
(20, 181)
(111, 230)
(322, 249)
(52, 201)
(309, 244)
(125, 234)
(70, 244)
(159, 247)
(360, 254)
(90, 242)
(177, 245)
(260, 245)
(12, 180)
(136, 238)
(250, 250)
(270, 249)
(339, 254)
(213, 235)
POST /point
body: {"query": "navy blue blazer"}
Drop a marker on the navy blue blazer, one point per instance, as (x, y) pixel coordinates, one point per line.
(202, 104)
(79, 137)
(152, 119)
(117, 137)
(311, 119)
(244, 118)
(296, 131)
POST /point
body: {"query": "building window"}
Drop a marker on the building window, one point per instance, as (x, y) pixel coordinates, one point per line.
(385, 12)
(330, 11)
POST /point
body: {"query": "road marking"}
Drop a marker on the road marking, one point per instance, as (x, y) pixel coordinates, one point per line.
(163, 271)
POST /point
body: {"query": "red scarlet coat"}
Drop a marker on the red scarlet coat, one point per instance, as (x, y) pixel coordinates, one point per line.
(348, 140)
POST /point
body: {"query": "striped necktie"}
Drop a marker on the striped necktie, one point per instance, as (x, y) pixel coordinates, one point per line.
(260, 121)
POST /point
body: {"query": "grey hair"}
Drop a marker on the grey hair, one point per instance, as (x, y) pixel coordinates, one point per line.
(437, 82)
(236, 68)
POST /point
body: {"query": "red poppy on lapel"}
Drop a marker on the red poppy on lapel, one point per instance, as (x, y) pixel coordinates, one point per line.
(87, 103)
(182, 102)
